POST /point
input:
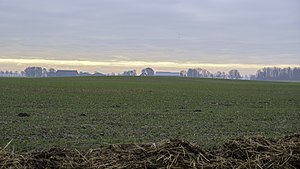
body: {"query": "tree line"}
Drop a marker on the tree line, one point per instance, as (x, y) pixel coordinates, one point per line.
(203, 73)
(11, 74)
(266, 73)
(276, 73)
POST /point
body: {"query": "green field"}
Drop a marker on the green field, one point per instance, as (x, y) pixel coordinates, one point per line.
(89, 112)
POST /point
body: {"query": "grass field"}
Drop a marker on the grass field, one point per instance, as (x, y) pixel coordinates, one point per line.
(89, 112)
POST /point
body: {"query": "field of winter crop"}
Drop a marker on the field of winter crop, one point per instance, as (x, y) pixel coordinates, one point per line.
(91, 112)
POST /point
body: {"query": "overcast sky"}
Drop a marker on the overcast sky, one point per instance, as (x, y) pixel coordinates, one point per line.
(111, 35)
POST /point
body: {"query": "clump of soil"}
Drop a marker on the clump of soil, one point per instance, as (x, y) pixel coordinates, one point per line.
(23, 115)
(256, 152)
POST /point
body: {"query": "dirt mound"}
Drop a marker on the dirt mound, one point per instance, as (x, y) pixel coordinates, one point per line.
(257, 152)
(261, 152)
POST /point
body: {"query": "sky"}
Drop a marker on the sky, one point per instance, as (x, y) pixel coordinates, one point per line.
(167, 35)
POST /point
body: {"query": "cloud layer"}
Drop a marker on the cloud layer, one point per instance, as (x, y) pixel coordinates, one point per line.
(202, 31)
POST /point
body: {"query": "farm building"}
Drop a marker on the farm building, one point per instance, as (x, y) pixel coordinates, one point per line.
(175, 74)
(66, 73)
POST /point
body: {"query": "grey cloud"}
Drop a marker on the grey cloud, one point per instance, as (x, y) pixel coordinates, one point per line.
(201, 30)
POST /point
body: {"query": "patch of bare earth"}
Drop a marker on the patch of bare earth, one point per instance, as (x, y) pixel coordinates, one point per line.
(256, 152)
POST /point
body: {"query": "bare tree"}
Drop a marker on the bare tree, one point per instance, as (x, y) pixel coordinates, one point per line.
(275, 73)
(147, 72)
(51, 72)
(183, 73)
(199, 73)
(129, 73)
(33, 72)
(234, 74)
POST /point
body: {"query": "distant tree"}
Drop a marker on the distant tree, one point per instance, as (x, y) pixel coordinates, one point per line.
(22, 73)
(33, 72)
(234, 74)
(259, 75)
(290, 73)
(224, 75)
(192, 73)
(15, 74)
(198, 73)
(218, 75)
(183, 73)
(11, 73)
(51, 72)
(147, 72)
(296, 73)
(275, 73)
(129, 73)
(44, 72)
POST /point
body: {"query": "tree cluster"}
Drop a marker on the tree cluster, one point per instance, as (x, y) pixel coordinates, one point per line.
(203, 73)
(147, 72)
(11, 74)
(276, 73)
(199, 73)
(35, 72)
(129, 73)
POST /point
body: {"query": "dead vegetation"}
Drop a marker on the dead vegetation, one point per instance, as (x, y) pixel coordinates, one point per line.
(256, 152)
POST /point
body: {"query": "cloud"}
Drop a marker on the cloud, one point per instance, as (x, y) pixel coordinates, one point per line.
(204, 31)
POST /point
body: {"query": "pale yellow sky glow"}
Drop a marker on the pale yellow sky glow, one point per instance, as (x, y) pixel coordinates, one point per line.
(108, 66)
